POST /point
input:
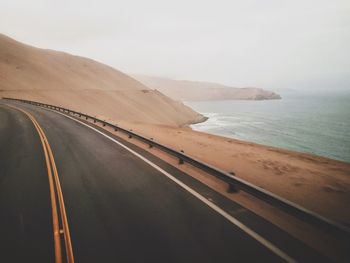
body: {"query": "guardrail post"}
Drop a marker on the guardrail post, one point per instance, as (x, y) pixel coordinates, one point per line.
(232, 188)
(181, 161)
(150, 145)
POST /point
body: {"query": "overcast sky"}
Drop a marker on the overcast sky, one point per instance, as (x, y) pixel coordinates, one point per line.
(266, 43)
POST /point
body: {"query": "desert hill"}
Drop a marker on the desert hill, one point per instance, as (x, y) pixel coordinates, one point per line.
(196, 90)
(83, 84)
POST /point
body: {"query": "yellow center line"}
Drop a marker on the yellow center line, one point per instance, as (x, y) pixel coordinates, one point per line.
(68, 242)
(51, 168)
(56, 228)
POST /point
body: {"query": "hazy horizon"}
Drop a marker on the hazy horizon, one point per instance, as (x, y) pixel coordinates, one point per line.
(272, 45)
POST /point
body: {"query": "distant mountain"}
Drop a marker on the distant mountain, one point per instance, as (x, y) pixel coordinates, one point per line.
(85, 85)
(196, 90)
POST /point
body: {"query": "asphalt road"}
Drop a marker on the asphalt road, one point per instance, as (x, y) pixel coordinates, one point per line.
(119, 208)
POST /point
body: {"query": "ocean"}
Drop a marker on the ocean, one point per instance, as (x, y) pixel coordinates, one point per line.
(314, 122)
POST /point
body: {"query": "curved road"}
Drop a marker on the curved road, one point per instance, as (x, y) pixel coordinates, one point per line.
(119, 208)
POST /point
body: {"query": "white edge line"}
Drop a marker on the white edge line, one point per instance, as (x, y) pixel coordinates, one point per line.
(220, 211)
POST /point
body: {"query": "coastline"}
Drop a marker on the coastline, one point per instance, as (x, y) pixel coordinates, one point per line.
(306, 154)
(202, 119)
(308, 128)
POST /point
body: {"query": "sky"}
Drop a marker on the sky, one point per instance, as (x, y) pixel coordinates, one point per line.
(272, 44)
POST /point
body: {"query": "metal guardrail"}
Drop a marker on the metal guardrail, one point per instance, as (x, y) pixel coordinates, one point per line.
(287, 206)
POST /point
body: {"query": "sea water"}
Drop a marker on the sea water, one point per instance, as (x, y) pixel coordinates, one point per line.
(314, 122)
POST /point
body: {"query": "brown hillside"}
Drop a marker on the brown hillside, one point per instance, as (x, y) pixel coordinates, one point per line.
(198, 90)
(83, 84)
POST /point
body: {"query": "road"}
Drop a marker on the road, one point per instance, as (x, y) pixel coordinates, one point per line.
(119, 207)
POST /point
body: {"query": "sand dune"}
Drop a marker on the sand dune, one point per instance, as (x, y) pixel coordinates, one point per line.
(83, 84)
(197, 90)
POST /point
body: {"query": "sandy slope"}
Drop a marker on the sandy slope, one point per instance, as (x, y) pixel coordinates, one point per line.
(83, 84)
(196, 90)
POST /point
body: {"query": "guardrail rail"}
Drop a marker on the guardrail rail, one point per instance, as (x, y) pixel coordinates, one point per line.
(325, 224)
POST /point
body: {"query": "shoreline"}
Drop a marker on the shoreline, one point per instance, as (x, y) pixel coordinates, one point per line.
(309, 129)
(307, 154)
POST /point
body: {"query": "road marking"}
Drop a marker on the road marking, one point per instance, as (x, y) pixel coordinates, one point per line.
(220, 211)
(66, 232)
(51, 168)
